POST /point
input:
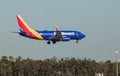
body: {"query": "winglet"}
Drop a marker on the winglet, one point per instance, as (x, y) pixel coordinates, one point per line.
(57, 28)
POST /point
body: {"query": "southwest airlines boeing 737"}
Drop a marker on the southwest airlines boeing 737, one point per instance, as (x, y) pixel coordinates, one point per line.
(50, 36)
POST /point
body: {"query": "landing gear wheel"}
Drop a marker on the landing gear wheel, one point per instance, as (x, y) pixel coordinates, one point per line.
(48, 42)
(54, 42)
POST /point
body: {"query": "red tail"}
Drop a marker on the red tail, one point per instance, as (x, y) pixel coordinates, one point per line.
(29, 31)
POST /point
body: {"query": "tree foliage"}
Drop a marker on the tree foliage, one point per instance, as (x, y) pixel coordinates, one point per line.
(10, 66)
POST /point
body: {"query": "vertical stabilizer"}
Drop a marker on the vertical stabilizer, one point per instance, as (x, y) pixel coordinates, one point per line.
(25, 28)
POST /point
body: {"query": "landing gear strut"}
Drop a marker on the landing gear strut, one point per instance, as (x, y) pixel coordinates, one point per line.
(77, 41)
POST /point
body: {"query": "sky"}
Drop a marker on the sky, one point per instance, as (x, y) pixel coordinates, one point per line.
(99, 20)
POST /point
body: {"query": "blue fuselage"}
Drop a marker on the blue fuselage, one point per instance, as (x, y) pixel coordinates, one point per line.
(66, 35)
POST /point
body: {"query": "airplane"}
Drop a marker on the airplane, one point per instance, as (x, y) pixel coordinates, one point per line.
(49, 35)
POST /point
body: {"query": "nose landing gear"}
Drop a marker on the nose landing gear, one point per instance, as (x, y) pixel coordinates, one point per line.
(77, 41)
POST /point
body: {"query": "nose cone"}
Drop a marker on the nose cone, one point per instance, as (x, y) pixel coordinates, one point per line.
(83, 36)
(80, 35)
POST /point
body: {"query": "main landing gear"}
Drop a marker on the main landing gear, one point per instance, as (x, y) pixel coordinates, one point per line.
(50, 42)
